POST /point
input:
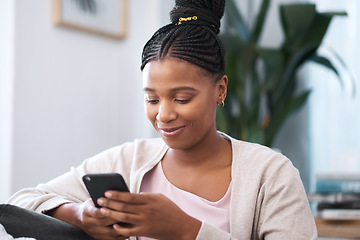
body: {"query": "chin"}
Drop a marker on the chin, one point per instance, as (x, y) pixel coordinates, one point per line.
(177, 144)
(180, 145)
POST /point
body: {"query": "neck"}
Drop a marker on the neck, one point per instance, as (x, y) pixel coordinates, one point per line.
(212, 151)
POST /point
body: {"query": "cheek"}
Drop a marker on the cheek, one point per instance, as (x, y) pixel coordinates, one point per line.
(149, 112)
(200, 113)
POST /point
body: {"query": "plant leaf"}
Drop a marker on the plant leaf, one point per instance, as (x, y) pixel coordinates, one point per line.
(291, 106)
(274, 63)
(343, 64)
(316, 33)
(256, 134)
(235, 19)
(300, 57)
(332, 14)
(326, 62)
(260, 21)
(296, 19)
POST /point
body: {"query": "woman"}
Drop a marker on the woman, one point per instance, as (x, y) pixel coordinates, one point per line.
(195, 182)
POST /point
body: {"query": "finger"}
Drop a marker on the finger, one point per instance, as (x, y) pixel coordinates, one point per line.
(127, 231)
(93, 211)
(93, 216)
(127, 197)
(120, 216)
(118, 206)
(101, 222)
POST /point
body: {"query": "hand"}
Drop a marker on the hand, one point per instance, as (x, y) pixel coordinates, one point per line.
(89, 219)
(149, 214)
(96, 224)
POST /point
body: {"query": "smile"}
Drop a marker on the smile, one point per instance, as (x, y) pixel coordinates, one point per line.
(171, 132)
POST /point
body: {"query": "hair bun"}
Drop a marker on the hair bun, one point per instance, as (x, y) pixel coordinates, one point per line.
(208, 12)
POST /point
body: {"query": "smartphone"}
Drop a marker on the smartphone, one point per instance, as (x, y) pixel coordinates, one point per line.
(97, 184)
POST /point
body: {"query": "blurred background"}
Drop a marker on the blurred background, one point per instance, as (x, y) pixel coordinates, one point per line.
(66, 94)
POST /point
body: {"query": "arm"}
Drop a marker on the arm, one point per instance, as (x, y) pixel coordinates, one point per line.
(53, 194)
(58, 204)
(126, 159)
(67, 199)
(285, 211)
(67, 188)
(88, 218)
(67, 212)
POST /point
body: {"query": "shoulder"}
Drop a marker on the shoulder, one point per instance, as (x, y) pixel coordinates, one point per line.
(124, 155)
(247, 153)
(152, 144)
(144, 150)
(138, 145)
(257, 162)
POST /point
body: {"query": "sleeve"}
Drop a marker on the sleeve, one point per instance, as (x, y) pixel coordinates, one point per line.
(285, 212)
(50, 195)
(69, 186)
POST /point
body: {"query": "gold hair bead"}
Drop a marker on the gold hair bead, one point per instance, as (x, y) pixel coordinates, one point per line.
(182, 19)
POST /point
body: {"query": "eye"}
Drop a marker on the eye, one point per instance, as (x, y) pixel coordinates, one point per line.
(152, 101)
(182, 101)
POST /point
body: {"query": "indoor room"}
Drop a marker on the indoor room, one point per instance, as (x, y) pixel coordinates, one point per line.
(73, 84)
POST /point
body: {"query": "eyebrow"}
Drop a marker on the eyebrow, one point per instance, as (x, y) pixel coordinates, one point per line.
(177, 89)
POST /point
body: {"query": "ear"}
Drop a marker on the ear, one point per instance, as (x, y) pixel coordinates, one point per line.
(221, 87)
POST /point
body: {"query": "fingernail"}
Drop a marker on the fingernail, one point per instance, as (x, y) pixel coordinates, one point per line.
(108, 194)
(100, 201)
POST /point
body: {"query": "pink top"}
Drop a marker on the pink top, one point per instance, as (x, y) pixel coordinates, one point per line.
(214, 213)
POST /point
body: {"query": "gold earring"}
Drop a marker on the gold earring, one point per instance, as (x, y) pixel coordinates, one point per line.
(222, 104)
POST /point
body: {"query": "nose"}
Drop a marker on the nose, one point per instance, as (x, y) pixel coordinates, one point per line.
(166, 113)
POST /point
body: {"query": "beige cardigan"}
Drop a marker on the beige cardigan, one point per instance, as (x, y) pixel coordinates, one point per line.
(268, 200)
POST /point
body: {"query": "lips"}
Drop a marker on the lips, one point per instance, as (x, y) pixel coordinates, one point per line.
(171, 132)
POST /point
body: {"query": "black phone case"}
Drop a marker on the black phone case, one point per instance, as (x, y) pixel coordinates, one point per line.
(97, 184)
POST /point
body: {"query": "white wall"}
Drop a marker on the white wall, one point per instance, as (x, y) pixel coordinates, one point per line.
(75, 94)
(6, 90)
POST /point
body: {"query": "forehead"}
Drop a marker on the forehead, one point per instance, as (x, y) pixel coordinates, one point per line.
(172, 72)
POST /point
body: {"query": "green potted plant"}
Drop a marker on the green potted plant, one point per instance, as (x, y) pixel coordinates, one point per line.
(262, 91)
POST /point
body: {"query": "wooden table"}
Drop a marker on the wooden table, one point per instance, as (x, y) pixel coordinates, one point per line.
(349, 229)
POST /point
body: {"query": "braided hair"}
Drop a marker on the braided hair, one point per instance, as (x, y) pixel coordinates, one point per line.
(192, 36)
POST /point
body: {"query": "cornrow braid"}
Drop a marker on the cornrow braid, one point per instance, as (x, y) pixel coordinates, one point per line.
(192, 36)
